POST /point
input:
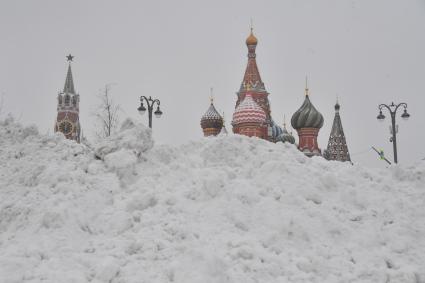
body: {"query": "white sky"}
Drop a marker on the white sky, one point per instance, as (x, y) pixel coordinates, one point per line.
(366, 52)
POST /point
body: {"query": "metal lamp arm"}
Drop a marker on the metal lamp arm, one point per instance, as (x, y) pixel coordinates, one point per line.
(157, 102)
(381, 106)
(149, 101)
(400, 104)
(386, 106)
(145, 99)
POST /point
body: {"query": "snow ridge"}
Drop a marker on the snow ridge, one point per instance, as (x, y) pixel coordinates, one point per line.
(223, 209)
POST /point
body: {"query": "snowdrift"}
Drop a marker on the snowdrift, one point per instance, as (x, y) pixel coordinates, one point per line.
(225, 209)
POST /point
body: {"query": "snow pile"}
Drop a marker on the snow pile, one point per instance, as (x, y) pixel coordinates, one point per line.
(226, 209)
(132, 137)
(121, 151)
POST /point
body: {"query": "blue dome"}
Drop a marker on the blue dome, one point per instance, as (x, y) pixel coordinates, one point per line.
(276, 130)
(286, 137)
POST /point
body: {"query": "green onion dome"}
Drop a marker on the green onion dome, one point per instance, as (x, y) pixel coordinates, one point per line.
(307, 116)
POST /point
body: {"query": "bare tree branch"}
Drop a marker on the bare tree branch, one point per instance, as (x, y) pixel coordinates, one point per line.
(106, 113)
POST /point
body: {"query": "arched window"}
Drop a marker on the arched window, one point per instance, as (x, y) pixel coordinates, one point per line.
(67, 100)
(74, 101)
(60, 100)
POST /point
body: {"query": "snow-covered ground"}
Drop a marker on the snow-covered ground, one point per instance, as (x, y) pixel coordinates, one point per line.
(225, 209)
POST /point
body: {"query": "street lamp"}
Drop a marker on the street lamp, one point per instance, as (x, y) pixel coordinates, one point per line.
(150, 102)
(392, 108)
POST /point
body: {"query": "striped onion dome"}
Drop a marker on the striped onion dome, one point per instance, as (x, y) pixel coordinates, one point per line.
(276, 130)
(211, 118)
(307, 116)
(248, 111)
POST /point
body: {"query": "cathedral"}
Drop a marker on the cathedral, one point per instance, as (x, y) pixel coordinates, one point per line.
(252, 116)
(67, 120)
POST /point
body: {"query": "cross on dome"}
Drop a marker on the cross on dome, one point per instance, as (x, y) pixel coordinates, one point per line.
(211, 95)
(306, 85)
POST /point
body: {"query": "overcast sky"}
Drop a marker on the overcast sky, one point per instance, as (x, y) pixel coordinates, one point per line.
(366, 52)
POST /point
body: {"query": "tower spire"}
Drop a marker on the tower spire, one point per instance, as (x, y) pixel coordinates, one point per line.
(252, 99)
(68, 108)
(252, 75)
(337, 146)
(306, 86)
(69, 82)
(211, 95)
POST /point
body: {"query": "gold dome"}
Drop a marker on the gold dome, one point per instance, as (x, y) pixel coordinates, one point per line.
(251, 40)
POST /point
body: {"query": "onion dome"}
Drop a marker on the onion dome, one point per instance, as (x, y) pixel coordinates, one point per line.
(248, 111)
(211, 118)
(276, 131)
(286, 136)
(251, 40)
(307, 116)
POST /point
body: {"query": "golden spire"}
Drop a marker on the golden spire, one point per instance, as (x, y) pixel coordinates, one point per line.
(211, 95)
(306, 86)
(251, 40)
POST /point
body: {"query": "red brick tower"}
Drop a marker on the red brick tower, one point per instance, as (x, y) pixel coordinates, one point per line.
(67, 121)
(253, 84)
(307, 121)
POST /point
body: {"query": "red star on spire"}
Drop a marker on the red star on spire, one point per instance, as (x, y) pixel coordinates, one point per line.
(69, 57)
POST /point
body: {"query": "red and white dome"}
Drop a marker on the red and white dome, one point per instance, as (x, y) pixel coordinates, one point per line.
(248, 111)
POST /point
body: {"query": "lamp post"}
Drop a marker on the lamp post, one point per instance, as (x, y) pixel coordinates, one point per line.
(150, 102)
(392, 108)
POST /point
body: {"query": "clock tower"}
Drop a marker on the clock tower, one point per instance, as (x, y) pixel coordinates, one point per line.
(67, 121)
